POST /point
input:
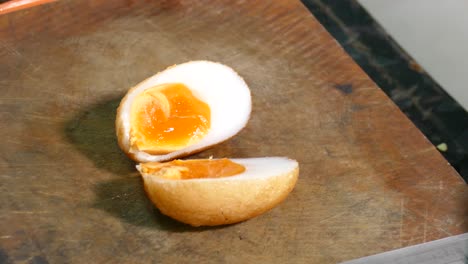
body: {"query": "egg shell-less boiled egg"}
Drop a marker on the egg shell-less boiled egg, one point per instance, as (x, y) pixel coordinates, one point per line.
(222, 200)
(215, 84)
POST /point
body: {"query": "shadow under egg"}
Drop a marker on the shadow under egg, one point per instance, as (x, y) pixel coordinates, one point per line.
(92, 132)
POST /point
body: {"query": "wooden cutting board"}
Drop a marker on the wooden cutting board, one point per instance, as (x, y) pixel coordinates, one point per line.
(369, 181)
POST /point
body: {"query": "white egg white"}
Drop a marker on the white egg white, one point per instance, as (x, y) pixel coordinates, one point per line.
(226, 93)
(255, 168)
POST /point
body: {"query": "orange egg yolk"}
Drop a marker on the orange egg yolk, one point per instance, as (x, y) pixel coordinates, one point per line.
(166, 118)
(193, 169)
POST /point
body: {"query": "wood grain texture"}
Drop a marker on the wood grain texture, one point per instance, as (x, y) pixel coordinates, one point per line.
(369, 180)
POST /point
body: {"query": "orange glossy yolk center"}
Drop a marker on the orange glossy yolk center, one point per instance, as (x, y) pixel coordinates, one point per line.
(168, 117)
(193, 169)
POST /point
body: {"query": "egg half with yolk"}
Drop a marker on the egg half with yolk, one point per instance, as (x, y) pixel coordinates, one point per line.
(213, 192)
(182, 110)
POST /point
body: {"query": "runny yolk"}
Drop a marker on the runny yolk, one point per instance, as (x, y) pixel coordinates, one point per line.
(168, 117)
(193, 169)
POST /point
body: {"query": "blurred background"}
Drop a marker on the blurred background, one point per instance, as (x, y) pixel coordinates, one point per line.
(434, 33)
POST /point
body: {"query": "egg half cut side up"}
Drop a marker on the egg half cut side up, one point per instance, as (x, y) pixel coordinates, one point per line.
(182, 110)
(218, 191)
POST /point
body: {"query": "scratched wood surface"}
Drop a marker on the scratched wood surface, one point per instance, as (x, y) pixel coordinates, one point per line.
(369, 180)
